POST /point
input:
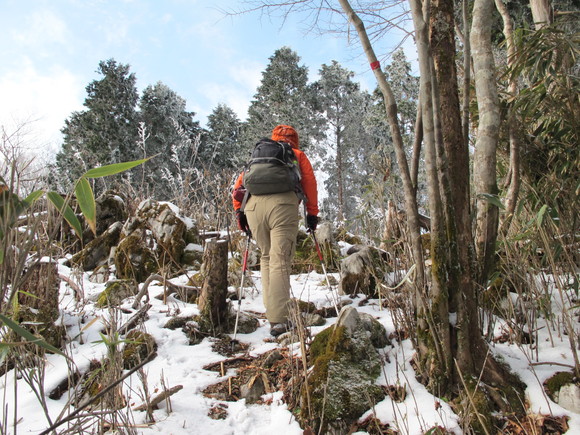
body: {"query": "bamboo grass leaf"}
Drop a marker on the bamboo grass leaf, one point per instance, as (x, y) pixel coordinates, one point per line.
(86, 201)
(66, 212)
(27, 335)
(113, 169)
(33, 197)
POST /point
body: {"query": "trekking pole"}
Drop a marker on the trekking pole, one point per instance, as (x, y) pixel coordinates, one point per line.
(241, 291)
(321, 258)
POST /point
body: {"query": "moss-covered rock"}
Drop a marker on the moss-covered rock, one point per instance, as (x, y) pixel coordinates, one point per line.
(473, 407)
(192, 234)
(192, 256)
(341, 386)
(96, 252)
(306, 257)
(177, 322)
(303, 306)
(133, 260)
(343, 235)
(138, 345)
(564, 389)
(116, 291)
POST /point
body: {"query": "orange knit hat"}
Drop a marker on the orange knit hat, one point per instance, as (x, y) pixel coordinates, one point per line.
(285, 133)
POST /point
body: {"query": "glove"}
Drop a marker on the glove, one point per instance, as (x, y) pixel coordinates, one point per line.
(239, 193)
(243, 222)
(311, 222)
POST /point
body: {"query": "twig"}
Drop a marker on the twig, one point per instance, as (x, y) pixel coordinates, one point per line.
(167, 283)
(227, 361)
(158, 399)
(76, 288)
(552, 363)
(130, 324)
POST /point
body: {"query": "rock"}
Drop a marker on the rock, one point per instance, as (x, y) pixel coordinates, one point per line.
(271, 358)
(360, 271)
(166, 227)
(177, 322)
(345, 366)
(139, 345)
(116, 291)
(192, 255)
(111, 208)
(246, 323)
(312, 319)
(253, 390)
(306, 256)
(569, 397)
(96, 252)
(133, 260)
(377, 332)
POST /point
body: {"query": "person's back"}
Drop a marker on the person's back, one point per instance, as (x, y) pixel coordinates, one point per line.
(272, 219)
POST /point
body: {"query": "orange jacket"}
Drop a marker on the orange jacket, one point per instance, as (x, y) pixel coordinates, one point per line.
(308, 182)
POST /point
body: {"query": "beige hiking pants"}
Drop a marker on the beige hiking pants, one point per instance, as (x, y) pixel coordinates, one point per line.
(273, 220)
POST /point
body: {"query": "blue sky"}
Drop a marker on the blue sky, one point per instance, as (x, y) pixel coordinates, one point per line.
(50, 50)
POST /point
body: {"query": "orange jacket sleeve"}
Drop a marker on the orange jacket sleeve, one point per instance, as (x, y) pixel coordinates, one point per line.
(238, 204)
(308, 181)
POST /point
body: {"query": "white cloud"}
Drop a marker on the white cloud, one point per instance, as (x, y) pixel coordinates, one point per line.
(238, 99)
(42, 100)
(235, 89)
(42, 27)
(248, 74)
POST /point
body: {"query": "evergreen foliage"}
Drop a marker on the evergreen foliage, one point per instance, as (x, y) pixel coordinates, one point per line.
(223, 138)
(347, 147)
(106, 132)
(283, 97)
(168, 129)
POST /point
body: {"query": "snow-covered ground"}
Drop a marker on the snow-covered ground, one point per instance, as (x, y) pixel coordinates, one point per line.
(178, 363)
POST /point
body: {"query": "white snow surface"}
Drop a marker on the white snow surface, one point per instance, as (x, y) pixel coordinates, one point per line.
(178, 363)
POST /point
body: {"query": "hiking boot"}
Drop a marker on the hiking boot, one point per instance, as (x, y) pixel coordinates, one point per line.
(277, 329)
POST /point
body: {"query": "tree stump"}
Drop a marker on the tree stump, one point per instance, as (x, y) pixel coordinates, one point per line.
(212, 302)
(38, 301)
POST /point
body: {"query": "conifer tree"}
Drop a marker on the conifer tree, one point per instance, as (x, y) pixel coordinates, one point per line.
(224, 149)
(347, 146)
(283, 97)
(106, 132)
(169, 130)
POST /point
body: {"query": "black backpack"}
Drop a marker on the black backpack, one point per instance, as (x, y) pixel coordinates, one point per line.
(272, 168)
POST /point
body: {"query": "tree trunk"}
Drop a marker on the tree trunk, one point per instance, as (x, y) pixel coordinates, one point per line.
(514, 167)
(466, 73)
(213, 299)
(485, 180)
(417, 143)
(432, 314)
(541, 12)
(340, 175)
(391, 108)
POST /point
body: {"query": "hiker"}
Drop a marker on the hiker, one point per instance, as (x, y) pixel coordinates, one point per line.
(273, 221)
